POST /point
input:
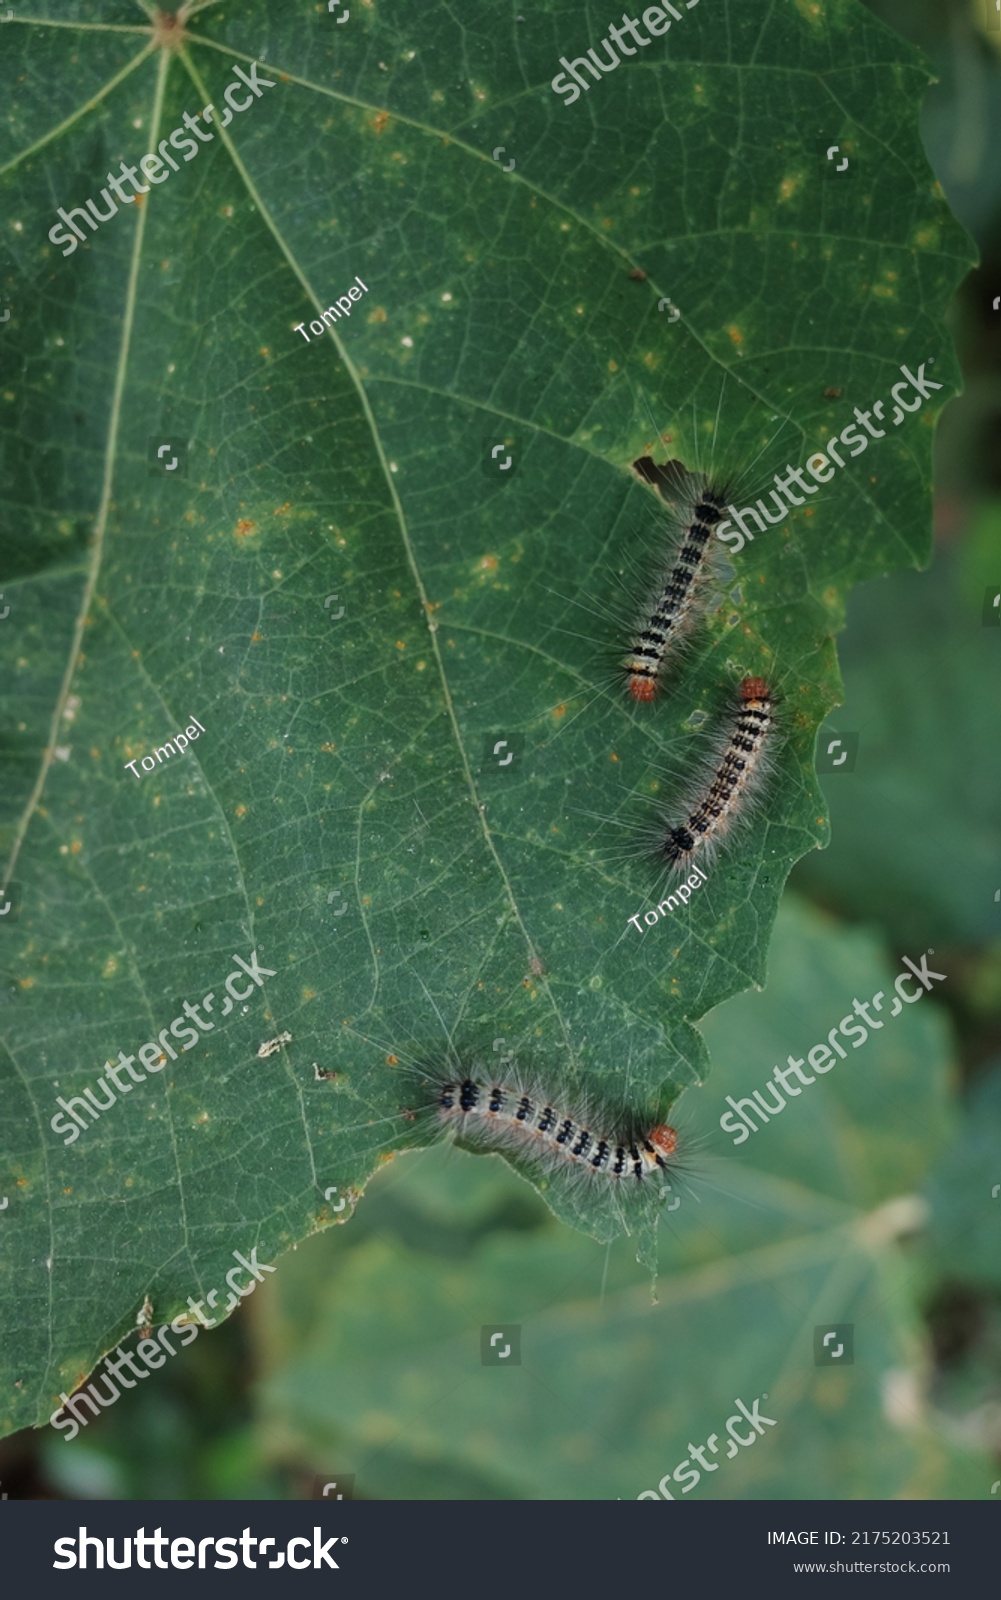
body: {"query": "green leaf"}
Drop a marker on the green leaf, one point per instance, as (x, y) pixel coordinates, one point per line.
(965, 1193)
(370, 1340)
(343, 766)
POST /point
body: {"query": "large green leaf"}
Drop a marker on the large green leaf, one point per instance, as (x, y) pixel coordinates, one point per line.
(339, 815)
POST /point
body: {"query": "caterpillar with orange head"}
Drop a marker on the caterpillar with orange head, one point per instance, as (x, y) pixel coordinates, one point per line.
(681, 595)
(559, 1138)
(483, 1113)
(732, 782)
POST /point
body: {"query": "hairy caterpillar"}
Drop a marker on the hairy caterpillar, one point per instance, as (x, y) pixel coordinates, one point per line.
(484, 1113)
(735, 779)
(671, 574)
(719, 797)
(681, 594)
(700, 502)
(607, 1160)
(560, 1138)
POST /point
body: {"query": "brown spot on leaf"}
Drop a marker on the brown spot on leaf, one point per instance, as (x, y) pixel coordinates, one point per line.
(168, 28)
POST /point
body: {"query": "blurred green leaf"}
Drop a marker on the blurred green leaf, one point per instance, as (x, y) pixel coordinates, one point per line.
(916, 822)
(965, 1193)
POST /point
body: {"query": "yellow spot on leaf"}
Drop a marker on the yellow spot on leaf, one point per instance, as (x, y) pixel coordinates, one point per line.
(244, 527)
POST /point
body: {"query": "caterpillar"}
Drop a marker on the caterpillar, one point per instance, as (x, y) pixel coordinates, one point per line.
(602, 1165)
(733, 783)
(565, 1138)
(680, 597)
(484, 1113)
